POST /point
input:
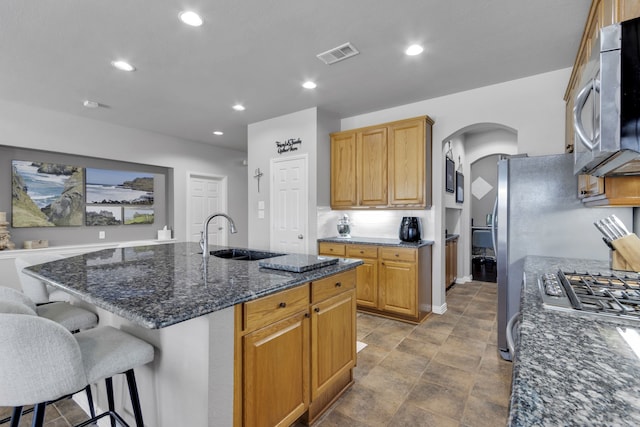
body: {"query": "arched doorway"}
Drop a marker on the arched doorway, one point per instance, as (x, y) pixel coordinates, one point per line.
(468, 146)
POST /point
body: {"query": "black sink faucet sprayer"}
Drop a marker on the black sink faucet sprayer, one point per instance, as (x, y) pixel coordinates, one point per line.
(204, 242)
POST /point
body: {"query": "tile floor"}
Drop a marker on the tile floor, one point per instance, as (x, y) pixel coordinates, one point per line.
(444, 372)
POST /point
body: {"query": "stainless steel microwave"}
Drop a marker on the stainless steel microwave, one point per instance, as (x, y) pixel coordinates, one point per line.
(606, 111)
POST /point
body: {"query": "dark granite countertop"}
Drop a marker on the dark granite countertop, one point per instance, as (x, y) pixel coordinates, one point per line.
(379, 241)
(160, 285)
(572, 369)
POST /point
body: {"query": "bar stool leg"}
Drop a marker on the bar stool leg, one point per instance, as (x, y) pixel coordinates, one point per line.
(15, 416)
(135, 398)
(109, 383)
(92, 410)
(38, 415)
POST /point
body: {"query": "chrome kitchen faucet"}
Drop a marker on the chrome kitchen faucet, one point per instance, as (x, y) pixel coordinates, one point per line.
(205, 232)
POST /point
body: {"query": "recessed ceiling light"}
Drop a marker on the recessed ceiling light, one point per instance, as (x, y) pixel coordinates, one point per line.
(309, 85)
(191, 18)
(218, 132)
(90, 104)
(238, 107)
(123, 65)
(414, 49)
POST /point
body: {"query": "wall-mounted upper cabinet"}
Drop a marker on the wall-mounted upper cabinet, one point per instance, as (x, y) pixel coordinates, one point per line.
(382, 166)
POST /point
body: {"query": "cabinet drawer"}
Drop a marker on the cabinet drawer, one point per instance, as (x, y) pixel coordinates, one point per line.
(332, 285)
(335, 249)
(398, 254)
(362, 251)
(270, 309)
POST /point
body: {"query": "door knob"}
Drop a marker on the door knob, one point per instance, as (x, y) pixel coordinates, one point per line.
(300, 236)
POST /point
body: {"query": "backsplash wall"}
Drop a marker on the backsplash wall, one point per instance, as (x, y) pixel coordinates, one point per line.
(370, 222)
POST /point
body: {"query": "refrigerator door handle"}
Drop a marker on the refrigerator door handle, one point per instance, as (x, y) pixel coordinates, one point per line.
(494, 221)
(511, 327)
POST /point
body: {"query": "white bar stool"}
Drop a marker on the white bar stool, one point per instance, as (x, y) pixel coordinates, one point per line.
(42, 361)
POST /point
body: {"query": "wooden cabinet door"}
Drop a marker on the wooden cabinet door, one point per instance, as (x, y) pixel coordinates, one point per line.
(407, 162)
(333, 340)
(343, 170)
(448, 262)
(398, 287)
(367, 283)
(372, 167)
(276, 372)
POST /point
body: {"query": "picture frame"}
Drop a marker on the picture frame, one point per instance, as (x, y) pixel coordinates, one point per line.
(449, 177)
(459, 187)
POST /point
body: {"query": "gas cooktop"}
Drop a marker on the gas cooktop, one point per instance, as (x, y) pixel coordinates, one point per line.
(607, 295)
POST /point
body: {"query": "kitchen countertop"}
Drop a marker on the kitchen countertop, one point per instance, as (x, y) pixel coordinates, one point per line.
(449, 237)
(379, 241)
(572, 368)
(160, 285)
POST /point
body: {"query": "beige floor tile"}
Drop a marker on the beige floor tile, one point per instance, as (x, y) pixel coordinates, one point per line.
(480, 413)
(405, 364)
(419, 347)
(448, 376)
(411, 415)
(372, 407)
(438, 399)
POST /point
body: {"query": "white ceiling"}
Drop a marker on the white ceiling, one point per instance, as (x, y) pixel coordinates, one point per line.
(55, 54)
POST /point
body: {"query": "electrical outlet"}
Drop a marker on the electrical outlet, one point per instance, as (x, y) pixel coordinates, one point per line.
(101, 235)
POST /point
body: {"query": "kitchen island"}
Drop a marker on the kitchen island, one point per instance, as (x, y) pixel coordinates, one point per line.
(572, 368)
(183, 304)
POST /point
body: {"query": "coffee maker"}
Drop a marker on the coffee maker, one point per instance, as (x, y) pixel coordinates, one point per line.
(410, 229)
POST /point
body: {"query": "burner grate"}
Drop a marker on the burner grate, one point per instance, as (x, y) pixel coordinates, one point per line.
(607, 294)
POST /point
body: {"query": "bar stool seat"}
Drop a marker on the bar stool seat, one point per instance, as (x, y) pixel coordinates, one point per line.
(71, 317)
(41, 361)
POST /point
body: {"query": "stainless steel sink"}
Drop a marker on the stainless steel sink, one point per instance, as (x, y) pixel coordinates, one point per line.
(244, 254)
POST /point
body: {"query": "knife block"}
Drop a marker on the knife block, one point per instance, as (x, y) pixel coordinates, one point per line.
(626, 255)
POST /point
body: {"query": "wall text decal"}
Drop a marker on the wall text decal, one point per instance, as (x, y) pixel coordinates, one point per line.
(288, 145)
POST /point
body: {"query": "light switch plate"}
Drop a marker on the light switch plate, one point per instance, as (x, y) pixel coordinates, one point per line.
(261, 204)
(101, 234)
(260, 214)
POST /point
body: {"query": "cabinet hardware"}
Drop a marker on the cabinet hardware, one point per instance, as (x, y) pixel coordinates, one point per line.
(283, 304)
(338, 284)
(307, 315)
(317, 310)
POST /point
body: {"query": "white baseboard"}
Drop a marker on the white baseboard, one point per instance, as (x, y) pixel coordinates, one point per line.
(440, 309)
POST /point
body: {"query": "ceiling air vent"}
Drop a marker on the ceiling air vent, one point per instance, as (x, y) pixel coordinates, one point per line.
(339, 53)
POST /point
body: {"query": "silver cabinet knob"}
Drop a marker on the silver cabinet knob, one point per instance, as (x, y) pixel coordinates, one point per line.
(300, 236)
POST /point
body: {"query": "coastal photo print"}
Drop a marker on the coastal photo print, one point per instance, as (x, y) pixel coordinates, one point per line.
(115, 187)
(138, 215)
(46, 194)
(103, 215)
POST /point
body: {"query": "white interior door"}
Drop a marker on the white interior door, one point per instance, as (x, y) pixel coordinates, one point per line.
(289, 204)
(207, 195)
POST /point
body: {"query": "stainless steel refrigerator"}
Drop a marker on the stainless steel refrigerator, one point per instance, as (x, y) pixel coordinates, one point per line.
(538, 212)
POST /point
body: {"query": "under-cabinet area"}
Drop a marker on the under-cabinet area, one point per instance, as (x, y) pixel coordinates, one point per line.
(394, 279)
(609, 190)
(294, 352)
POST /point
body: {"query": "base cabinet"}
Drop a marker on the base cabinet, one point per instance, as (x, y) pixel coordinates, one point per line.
(451, 261)
(276, 366)
(295, 351)
(393, 281)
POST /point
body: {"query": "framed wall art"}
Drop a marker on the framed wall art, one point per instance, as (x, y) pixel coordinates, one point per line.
(459, 187)
(449, 177)
(46, 194)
